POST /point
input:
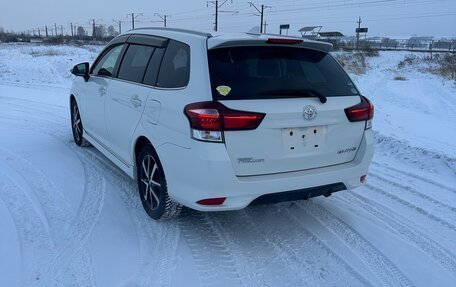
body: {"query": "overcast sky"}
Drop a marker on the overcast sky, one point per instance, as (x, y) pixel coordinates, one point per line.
(382, 17)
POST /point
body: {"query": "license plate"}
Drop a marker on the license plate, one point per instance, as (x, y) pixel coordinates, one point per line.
(307, 139)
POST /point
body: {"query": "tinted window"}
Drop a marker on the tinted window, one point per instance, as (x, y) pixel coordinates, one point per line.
(258, 72)
(175, 67)
(105, 66)
(150, 78)
(135, 62)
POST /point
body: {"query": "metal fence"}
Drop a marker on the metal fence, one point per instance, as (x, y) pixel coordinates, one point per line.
(395, 44)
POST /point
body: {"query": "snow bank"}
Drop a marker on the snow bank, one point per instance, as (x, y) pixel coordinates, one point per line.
(31, 64)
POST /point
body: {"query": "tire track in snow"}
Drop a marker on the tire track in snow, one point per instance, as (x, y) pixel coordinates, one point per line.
(83, 224)
(415, 176)
(380, 266)
(74, 239)
(404, 228)
(213, 260)
(55, 207)
(166, 235)
(158, 241)
(41, 110)
(260, 260)
(411, 190)
(52, 202)
(352, 276)
(411, 206)
(249, 274)
(11, 100)
(37, 246)
(292, 250)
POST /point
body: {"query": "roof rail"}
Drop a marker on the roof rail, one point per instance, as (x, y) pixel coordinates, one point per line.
(208, 35)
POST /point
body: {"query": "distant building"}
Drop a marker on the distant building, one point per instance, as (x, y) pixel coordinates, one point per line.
(419, 42)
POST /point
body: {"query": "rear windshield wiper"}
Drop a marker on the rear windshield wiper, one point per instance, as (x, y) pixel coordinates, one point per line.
(302, 93)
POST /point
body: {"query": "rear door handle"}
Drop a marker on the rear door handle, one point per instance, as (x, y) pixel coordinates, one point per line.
(136, 101)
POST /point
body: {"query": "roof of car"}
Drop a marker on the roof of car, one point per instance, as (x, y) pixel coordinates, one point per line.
(151, 31)
(219, 40)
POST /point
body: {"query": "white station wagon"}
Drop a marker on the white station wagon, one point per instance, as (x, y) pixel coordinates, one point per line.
(219, 122)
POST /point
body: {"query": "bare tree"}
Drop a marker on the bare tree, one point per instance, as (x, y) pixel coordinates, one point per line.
(111, 31)
(81, 31)
(3, 35)
(99, 32)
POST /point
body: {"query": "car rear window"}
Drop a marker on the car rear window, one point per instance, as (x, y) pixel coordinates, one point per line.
(175, 66)
(256, 72)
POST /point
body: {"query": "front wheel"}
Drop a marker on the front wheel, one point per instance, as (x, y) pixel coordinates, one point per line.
(152, 186)
(76, 125)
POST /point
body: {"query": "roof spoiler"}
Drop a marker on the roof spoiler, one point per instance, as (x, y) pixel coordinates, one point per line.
(273, 40)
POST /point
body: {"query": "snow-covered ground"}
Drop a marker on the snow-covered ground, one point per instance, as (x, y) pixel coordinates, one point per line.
(69, 217)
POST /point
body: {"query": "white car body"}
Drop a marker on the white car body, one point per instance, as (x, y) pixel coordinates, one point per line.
(271, 159)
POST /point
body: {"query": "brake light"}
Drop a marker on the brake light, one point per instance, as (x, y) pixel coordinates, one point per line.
(284, 41)
(209, 120)
(363, 111)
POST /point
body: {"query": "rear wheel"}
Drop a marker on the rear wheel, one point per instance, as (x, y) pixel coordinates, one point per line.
(152, 186)
(76, 125)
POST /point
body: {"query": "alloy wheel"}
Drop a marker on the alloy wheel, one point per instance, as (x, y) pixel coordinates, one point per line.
(150, 179)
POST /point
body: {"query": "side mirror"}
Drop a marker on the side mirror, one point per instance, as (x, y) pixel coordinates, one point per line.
(81, 70)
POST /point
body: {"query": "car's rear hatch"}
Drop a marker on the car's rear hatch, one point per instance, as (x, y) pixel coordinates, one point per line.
(303, 93)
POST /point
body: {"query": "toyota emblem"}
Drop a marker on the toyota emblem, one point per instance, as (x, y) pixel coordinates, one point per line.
(309, 113)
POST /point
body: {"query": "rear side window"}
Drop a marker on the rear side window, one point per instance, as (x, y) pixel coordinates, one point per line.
(175, 67)
(135, 62)
(265, 72)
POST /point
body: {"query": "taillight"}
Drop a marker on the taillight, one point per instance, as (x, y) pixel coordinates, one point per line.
(363, 111)
(208, 120)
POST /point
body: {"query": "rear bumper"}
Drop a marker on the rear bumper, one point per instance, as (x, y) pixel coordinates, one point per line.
(206, 172)
(301, 194)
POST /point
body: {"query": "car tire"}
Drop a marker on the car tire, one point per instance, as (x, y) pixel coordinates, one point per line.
(76, 125)
(152, 186)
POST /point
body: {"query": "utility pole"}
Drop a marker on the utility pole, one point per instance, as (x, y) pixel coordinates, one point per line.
(93, 28)
(120, 25)
(164, 17)
(261, 11)
(265, 25)
(217, 11)
(357, 32)
(133, 17)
